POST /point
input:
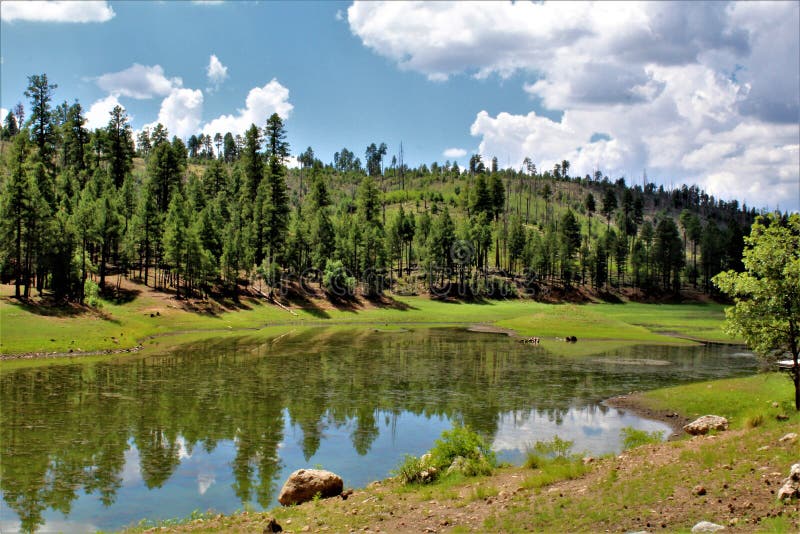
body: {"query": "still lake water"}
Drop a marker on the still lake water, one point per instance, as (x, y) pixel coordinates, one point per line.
(221, 424)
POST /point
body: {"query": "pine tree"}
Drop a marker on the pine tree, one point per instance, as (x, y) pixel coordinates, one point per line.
(119, 146)
(43, 133)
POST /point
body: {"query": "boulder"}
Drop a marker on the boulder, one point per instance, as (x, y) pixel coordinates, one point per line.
(706, 423)
(428, 474)
(304, 484)
(791, 485)
(707, 526)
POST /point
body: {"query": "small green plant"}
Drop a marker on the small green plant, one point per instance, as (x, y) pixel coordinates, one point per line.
(91, 293)
(754, 420)
(632, 438)
(555, 470)
(482, 492)
(555, 448)
(413, 470)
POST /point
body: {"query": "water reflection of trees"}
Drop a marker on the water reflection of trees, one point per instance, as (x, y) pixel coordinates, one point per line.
(66, 428)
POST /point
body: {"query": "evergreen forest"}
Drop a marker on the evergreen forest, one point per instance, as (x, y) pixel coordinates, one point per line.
(226, 213)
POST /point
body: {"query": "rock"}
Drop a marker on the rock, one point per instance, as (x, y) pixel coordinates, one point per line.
(764, 448)
(791, 436)
(458, 465)
(706, 423)
(794, 472)
(428, 474)
(272, 526)
(707, 526)
(425, 459)
(699, 490)
(782, 417)
(304, 484)
(791, 485)
(788, 491)
(346, 493)
(775, 405)
(588, 459)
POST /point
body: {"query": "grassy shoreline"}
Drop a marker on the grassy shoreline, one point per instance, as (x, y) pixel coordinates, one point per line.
(146, 321)
(651, 487)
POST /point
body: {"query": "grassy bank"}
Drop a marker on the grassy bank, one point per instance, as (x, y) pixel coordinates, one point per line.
(26, 328)
(652, 487)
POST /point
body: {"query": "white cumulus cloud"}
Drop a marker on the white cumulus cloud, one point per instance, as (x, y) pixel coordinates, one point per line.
(98, 114)
(56, 11)
(139, 82)
(454, 153)
(678, 92)
(261, 102)
(181, 112)
(216, 72)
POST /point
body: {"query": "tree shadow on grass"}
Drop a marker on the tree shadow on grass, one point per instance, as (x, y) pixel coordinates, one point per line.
(387, 302)
(306, 304)
(609, 298)
(121, 295)
(49, 307)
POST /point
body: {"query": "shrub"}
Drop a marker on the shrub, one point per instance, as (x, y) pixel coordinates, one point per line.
(336, 280)
(91, 293)
(462, 448)
(413, 470)
(556, 447)
(632, 437)
(466, 443)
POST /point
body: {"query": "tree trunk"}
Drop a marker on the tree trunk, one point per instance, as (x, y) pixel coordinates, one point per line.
(18, 266)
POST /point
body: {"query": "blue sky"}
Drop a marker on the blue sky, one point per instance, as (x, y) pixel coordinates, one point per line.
(696, 93)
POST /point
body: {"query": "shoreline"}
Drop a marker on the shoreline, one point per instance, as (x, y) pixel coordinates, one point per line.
(634, 403)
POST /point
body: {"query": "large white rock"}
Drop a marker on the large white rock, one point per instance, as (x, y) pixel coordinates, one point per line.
(707, 526)
(706, 423)
(791, 485)
(304, 484)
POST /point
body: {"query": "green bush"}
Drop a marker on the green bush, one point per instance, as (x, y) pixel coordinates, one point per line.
(91, 292)
(464, 442)
(463, 449)
(632, 438)
(410, 469)
(336, 280)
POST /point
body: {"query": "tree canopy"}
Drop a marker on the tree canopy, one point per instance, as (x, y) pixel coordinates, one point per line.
(766, 312)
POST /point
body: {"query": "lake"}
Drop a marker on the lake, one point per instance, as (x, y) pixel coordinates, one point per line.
(220, 424)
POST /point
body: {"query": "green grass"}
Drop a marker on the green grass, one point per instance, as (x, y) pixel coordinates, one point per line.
(696, 321)
(740, 400)
(599, 327)
(555, 470)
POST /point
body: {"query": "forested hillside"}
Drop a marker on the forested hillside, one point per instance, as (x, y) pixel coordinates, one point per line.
(213, 215)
